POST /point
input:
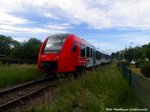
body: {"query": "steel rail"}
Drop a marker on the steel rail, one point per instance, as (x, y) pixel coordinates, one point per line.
(10, 104)
(11, 89)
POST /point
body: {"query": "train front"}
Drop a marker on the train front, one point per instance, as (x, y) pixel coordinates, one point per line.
(50, 53)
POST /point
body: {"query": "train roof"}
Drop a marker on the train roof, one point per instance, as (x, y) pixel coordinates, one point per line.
(82, 41)
(62, 35)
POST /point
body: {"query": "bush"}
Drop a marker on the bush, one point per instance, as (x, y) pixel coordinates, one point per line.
(139, 62)
(126, 63)
(123, 63)
(145, 69)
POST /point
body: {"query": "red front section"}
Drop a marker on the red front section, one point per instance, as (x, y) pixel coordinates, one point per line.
(65, 61)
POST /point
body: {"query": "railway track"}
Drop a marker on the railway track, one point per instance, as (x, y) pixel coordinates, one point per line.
(13, 96)
(17, 95)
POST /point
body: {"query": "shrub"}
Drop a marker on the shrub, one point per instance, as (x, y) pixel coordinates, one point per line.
(145, 69)
(139, 62)
(126, 63)
(123, 63)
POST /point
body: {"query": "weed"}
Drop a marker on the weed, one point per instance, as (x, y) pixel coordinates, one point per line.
(103, 88)
(15, 73)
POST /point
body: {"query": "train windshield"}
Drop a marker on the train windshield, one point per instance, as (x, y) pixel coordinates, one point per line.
(55, 43)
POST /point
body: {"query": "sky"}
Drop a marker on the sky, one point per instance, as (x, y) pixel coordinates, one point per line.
(110, 25)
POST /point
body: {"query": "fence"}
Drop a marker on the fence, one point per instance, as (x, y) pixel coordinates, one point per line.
(140, 84)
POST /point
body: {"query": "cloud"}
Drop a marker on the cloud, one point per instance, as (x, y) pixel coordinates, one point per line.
(49, 15)
(40, 18)
(11, 22)
(100, 14)
(11, 19)
(104, 14)
(33, 30)
(63, 26)
(20, 39)
(130, 14)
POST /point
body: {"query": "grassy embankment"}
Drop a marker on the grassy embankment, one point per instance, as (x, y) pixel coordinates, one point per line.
(94, 92)
(15, 73)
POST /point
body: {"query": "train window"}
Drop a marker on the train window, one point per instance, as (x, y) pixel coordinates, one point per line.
(98, 55)
(55, 43)
(74, 47)
(91, 53)
(87, 52)
(102, 55)
(82, 50)
(94, 56)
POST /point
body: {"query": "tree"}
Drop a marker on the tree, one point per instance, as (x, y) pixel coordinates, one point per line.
(147, 51)
(27, 50)
(138, 53)
(7, 44)
(118, 55)
(129, 54)
(33, 46)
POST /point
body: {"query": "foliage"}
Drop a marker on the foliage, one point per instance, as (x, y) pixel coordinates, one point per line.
(139, 62)
(119, 55)
(146, 48)
(11, 49)
(138, 53)
(6, 45)
(15, 73)
(129, 54)
(148, 52)
(145, 69)
(27, 50)
(126, 63)
(115, 55)
(94, 92)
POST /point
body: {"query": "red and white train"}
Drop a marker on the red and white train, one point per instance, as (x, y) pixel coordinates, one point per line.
(68, 53)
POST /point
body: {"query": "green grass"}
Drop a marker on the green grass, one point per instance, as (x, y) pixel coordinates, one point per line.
(14, 73)
(94, 92)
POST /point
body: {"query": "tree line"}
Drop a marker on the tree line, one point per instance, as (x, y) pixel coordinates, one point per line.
(140, 55)
(133, 53)
(13, 50)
